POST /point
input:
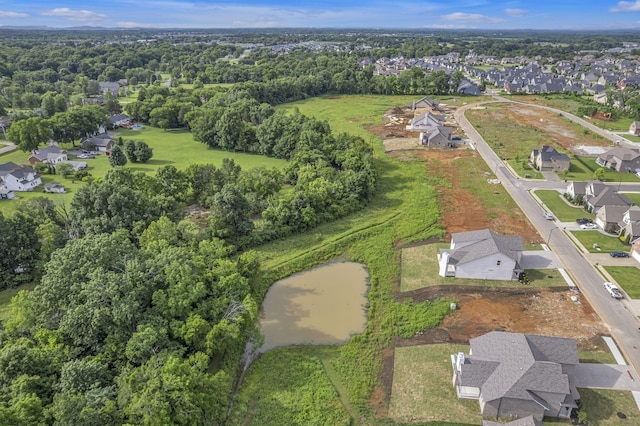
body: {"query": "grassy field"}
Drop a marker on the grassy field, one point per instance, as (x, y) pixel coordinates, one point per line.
(607, 243)
(420, 269)
(289, 396)
(175, 147)
(403, 209)
(422, 388)
(627, 278)
(7, 295)
(555, 203)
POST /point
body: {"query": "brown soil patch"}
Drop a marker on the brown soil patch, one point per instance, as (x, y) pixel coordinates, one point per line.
(463, 210)
(481, 310)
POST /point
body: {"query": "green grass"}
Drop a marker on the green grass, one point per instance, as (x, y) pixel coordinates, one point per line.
(627, 278)
(420, 269)
(602, 407)
(175, 147)
(583, 168)
(7, 295)
(288, 387)
(555, 203)
(596, 357)
(607, 243)
(422, 388)
(632, 138)
(634, 197)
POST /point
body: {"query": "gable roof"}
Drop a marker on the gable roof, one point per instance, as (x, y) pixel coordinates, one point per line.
(526, 364)
(483, 243)
(48, 152)
(549, 153)
(620, 153)
(6, 168)
(609, 196)
(611, 213)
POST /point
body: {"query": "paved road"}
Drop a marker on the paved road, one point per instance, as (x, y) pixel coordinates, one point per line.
(623, 325)
(7, 147)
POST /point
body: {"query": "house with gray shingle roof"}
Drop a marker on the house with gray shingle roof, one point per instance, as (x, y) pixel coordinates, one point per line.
(482, 255)
(515, 375)
(620, 159)
(607, 197)
(547, 159)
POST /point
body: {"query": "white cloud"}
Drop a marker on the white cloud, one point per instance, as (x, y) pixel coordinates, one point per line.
(4, 14)
(75, 15)
(626, 6)
(515, 13)
(472, 18)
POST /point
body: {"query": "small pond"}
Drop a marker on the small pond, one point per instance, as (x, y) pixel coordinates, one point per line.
(322, 306)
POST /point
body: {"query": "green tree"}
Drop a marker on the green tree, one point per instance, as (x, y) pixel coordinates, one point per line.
(28, 134)
(48, 104)
(117, 157)
(143, 152)
(130, 150)
(64, 169)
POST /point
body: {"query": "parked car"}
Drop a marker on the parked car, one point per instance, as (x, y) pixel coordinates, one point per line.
(548, 216)
(583, 220)
(588, 226)
(613, 290)
(619, 254)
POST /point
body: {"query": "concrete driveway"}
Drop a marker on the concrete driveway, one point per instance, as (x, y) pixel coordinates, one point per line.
(539, 259)
(606, 376)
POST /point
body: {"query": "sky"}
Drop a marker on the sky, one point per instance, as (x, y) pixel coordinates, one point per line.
(410, 14)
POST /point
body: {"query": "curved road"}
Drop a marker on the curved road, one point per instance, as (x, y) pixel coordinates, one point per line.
(622, 324)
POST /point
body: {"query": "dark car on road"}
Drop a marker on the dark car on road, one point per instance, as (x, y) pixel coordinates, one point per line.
(583, 221)
(619, 254)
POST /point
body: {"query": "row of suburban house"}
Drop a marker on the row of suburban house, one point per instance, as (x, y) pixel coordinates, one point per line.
(430, 123)
(620, 159)
(23, 178)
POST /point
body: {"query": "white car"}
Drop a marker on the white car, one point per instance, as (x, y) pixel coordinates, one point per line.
(548, 216)
(588, 226)
(613, 290)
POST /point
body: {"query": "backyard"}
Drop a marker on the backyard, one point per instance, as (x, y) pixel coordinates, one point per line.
(420, 269)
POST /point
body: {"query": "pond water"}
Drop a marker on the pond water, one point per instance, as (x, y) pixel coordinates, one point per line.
(322, 306)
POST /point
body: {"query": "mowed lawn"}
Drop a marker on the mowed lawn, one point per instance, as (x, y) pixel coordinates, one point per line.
(173, 147)
(555, 203)
(605, 242)
(422, 388)
(420, 269)
(627, 278)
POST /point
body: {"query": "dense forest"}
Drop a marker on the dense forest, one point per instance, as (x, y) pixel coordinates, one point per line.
(140, 314)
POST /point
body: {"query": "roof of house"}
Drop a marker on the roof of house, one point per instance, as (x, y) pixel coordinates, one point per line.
(53, 185)
(549, 153)
(612, 213)
(608, 197)
(634, 213)
(527, 364)
(118, 117)
(484, 243)
(620, 153)
(48, 152)
(99, 141)
(6, 168)
(444, 131)
(579, 188)
(525, 421)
